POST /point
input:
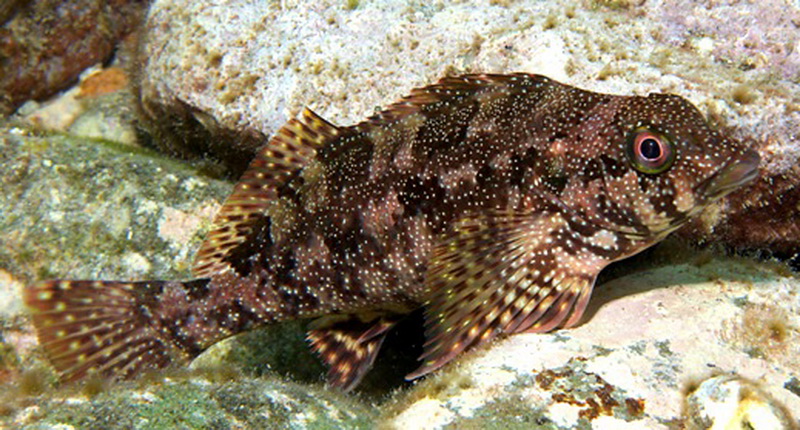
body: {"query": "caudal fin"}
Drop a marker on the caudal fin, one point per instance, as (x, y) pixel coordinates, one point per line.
(99, 327)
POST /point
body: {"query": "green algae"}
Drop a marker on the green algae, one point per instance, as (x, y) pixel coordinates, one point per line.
(277, 349)
(85, 208)
(201, 404)
(664, 349)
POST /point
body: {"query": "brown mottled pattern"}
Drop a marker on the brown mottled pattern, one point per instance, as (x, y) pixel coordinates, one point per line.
(492, 200)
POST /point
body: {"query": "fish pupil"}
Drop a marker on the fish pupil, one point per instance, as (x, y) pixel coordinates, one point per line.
(650, 149)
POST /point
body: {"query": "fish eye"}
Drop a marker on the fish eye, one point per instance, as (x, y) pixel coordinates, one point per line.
(649, 151)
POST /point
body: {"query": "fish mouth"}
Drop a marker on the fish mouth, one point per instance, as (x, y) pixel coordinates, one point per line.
(736, 173)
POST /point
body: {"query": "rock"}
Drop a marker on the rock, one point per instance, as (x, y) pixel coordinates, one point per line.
(109, 117)
(56, 114)
(10, 295)
(78, 208)
(198, 402)
(100, 107)
(732, 402)
(219, 76)
(46, 44)
(648, 339)
(769, 39)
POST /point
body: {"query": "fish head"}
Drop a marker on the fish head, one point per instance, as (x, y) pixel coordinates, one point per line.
(663, 165)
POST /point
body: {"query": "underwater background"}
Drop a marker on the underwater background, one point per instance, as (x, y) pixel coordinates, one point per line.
(126, 123)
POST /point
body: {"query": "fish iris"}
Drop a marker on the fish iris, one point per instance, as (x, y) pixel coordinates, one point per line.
(650, 152)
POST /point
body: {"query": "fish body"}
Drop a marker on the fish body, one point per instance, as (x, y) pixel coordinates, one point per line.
(492, 200)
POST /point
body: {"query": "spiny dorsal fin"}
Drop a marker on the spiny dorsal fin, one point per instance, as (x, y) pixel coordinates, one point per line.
(349, 348)
(98, 327)
(450, 89)
(501, 272)
(291, 149)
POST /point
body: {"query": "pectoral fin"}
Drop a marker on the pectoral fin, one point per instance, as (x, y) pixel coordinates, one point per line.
(503, 272)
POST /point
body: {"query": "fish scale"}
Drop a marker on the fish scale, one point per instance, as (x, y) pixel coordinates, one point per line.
(492, 201)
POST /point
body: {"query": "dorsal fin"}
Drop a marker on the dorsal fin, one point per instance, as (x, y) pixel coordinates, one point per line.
(450, 89)
(502, 272)
(291, 149)
(298, 141)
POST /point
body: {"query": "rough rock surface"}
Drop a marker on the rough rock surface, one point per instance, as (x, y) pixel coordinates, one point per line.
(729, 401)
(46, 44)
(99, 107)
(648, 339)
(219, 76)
(196, 402)
(81, 208)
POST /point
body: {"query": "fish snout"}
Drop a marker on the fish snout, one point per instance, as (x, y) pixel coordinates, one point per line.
(733, 175)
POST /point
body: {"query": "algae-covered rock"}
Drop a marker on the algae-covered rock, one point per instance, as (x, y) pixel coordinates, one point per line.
(80, 208)
(197, 403)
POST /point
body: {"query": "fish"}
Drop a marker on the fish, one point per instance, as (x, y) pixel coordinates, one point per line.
(491, 201)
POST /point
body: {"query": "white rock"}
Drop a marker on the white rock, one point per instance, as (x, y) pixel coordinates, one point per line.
(646, 339)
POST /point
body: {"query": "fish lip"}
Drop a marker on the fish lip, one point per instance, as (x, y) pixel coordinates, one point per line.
(736, 173)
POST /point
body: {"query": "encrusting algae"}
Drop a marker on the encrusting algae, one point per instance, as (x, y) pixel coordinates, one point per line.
(492, 200)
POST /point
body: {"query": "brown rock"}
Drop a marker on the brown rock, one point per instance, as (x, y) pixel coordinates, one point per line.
(104, 82)
(764, 216)
(46, 44)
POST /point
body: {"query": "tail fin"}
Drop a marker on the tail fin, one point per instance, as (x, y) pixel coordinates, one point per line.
(101, 327)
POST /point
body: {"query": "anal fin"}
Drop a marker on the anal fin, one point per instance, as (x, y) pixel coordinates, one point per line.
(289, 150)
(349, 347)
(503, 272)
